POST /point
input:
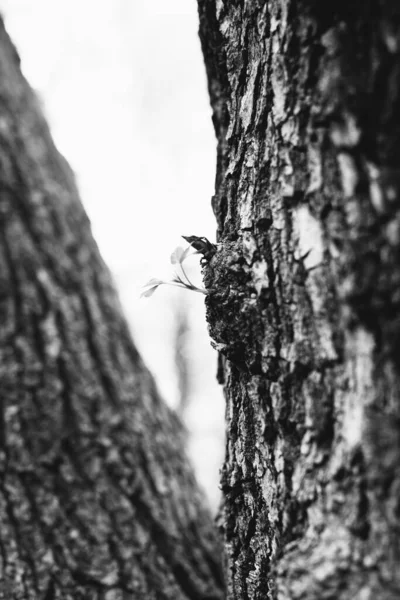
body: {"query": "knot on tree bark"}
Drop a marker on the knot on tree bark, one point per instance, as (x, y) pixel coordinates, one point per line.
(239, 310)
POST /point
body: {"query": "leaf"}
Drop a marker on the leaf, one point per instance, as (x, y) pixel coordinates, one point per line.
(189, 250)
(176, 256)
(151, 286)
(190, 238)
(153, 281)
(149, 292)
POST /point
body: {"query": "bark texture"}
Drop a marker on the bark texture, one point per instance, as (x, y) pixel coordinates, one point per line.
(97, 500)
(304, 293)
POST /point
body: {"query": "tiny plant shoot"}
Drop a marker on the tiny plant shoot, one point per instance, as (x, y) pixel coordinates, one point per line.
(179, 255)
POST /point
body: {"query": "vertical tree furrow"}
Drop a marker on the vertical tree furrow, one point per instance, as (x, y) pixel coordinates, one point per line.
(110, 335)
(46, 513)
(16, 567)
(97, 339)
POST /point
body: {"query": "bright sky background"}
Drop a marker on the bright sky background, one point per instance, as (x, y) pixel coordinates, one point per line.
(123, 85)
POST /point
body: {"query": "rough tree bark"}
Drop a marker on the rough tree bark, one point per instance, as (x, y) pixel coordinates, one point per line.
(304, 293)
(97, 500)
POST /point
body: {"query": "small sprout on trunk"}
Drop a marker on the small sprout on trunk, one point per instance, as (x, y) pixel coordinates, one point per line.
(178, 256)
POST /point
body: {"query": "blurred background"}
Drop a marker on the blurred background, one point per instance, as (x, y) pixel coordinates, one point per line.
(123, 86)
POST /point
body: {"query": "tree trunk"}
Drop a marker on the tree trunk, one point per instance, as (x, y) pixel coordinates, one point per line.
(96, 497)
(304, 293)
